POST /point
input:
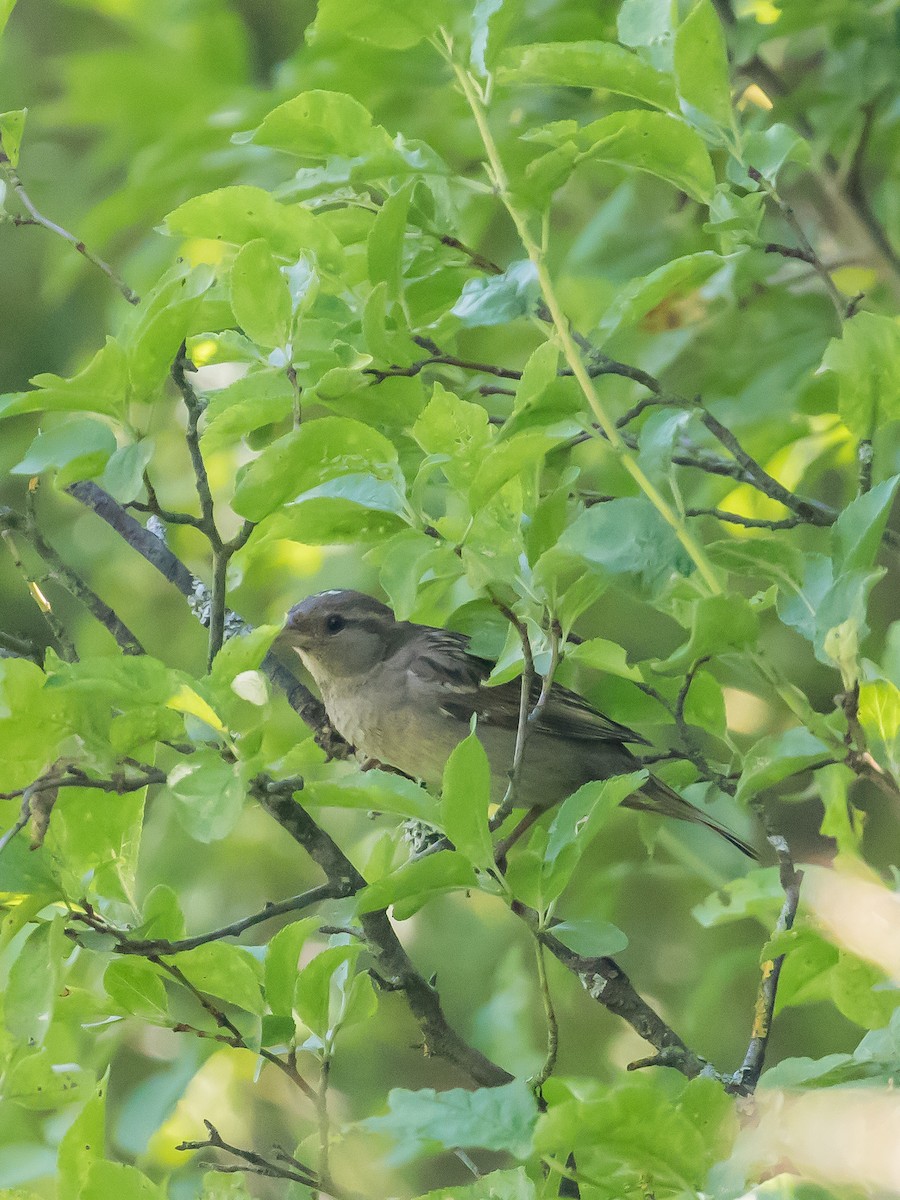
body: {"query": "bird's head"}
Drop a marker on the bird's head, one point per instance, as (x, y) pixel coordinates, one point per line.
(341, 633)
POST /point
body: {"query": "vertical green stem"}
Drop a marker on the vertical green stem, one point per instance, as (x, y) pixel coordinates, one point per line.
(567, 342)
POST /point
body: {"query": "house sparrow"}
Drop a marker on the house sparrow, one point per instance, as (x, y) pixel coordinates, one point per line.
(404, 695)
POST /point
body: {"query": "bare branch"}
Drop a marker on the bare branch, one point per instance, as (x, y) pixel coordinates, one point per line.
(605, 981)
(37, 218)
(731, 518)
(841, 302)
(68, 578)
(298, 1173)
(745, 1079)
(45, 608)
(393, 963)
(151, 947)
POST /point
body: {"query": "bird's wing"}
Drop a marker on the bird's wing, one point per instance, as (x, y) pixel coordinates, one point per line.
(442, 659)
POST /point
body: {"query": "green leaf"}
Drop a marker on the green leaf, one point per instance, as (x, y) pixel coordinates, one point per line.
(509, 457)
(856, 534)
(830, 1071)
(774, 758)
(384, 247)
(640, 1125)
(417, 882)
(648, 24)
(12, 123)
(866, 360)
(757, 894)
(82, 1144)
(6, 7)
(602, 655)
(603, 66)
(34, 983)
(78, 450)
(96, 838)
(465, 796)
(376, 791)
(735, 219)
(209, 794)
(426, 1122)
(641, 295)
(879, 712)
(496, 1185)
(283, 963)
(260, 297)
(241, 653)
(136, 986)
(767, 150)
(578, 821)
(382, 22)
(260, 398)
(657, 143)
(105, 1179)
(242, 214)
(360, 1001)
(101, 387)
(225, 971)
(821, 602)
(857, 989)
(312, 993)
(492, 23)
(317, 125)
(537, 375)
(329, 450)
(626, 537)
(701, 64)
(123, 475)
(718, 624)
(38, 1082)
(590, 938)
(497, 299)
(455, 433)
(155, 330)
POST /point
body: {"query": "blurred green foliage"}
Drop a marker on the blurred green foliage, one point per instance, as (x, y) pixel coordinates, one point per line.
(377, 229)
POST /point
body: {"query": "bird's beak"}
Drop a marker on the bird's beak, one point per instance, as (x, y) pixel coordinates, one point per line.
(297, 639)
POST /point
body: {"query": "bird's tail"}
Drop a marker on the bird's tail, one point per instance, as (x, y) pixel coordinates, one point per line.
(657, 796)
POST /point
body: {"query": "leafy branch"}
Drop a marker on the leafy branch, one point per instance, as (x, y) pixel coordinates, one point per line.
(497, 173)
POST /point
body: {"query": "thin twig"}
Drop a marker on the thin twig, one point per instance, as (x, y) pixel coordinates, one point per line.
(745, 1079)
(508, 803)
(22, 820)
(549, 1064)
(45, 608)
(258, 1164)
(119, 784)
(810, 511)
(151, 947)
(39, 219)
(731, 518)
(865, 461)
(477, 260)
(180, 367)
(840, 301)
(68, 578)
(20, 647)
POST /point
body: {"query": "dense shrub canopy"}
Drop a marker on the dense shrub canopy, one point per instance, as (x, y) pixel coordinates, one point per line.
(566, 326)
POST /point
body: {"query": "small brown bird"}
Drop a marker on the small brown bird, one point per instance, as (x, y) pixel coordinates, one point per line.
(404, 694)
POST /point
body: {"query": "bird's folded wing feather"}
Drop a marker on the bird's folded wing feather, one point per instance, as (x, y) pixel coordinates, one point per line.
(441, 659)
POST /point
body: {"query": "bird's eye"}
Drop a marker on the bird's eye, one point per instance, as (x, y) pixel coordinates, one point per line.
(335, 623)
